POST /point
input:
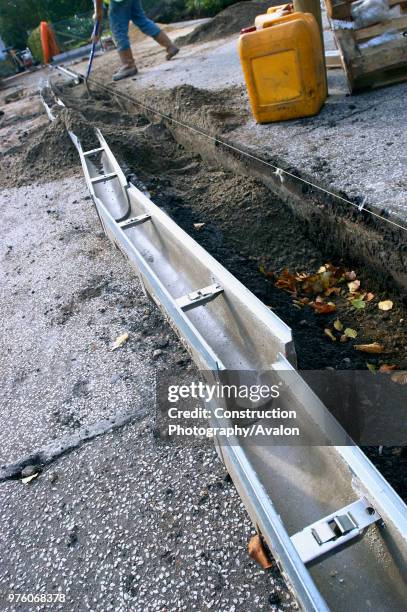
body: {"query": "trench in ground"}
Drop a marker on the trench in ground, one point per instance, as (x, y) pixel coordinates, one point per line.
(250, 230)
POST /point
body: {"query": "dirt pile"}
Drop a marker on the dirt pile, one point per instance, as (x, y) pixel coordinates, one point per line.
(48, 156)
(227, 22)
(215, 111)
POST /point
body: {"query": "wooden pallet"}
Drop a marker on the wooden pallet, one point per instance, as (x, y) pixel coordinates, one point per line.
(374, 66)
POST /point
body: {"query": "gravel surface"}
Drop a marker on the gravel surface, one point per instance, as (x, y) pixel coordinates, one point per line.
(123, 522)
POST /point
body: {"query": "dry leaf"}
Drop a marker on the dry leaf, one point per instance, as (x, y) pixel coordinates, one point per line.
(386, 367)
(399, 377)
(374, 347)
(350, 276)
(354, 286)
(335, 290)
(199, 226)
(330, 335)
(369, 297)
(287, 282)
(350, 333)
(28, 479)
(338, 325)
(324, 308)
(258, 552)
(267, 273)
(120, 340)
(344, 338)
(385, 305)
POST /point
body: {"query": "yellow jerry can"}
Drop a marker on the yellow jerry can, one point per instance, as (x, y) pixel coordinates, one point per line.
(283, 67)
(275, 12)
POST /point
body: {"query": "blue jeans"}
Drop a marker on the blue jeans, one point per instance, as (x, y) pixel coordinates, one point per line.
(121, 13)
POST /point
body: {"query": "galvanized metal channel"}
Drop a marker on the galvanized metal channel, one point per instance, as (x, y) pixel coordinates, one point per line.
(336, 527)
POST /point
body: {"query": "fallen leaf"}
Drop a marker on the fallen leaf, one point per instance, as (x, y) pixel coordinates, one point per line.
(372, 367)
(344, 338)
(120, 340)
(369, 297)
(287, 282)
(331, 290)
(350, 333)
(319, 299)
(358, 303)
(28, 479)
(374, 347)
(386, 367)
(267, 273)
(338, 325)
(330, 335)
(385, 305)
(324, 308)
(399, 377)
(350, 276)
(353, 286)
(199, 226)
(258, 552)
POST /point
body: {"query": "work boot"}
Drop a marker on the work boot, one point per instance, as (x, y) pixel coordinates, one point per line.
(128, 67)
(163, 40)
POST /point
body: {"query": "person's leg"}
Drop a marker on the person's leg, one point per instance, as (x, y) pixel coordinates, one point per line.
(149, 28)
(120, 15)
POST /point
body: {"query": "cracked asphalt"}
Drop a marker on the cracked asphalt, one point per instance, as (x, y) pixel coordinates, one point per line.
(123, 522)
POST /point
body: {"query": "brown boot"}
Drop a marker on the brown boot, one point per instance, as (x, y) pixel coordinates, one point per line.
(163, 40)
(128, 67)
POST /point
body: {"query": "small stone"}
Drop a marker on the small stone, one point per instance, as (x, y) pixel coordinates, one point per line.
(30, 470)
(53, 477)
(274, 599)
(115, 378)
(161, 342)
(157, 353)
(72, 538)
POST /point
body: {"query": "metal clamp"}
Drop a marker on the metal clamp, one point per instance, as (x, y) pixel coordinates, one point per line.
(199, 297)
(134, 221)
(331, 532)
(103, 177)
(93, 151)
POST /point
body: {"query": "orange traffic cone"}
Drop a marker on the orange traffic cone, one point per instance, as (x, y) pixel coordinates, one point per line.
(48, 42)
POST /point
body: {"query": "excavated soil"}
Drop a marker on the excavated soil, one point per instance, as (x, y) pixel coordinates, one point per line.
(229, 21)
(245, 227)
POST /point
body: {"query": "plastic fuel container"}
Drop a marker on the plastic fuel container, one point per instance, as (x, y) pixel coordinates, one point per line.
(284, 68)
(273, 13)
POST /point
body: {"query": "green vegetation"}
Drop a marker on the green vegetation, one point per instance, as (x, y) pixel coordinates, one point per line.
(19, 17)
(207, 8)
(34, 43)
(177, 10)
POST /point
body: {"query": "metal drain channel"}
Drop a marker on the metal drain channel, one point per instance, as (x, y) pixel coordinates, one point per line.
(324, 496)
